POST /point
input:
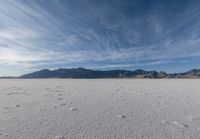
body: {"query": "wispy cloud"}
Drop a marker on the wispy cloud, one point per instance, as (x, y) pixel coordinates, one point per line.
(41, 34)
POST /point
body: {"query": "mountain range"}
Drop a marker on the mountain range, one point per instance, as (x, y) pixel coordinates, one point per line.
(89, 73)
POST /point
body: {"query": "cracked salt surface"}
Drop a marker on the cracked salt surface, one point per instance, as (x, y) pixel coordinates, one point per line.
(101, 109)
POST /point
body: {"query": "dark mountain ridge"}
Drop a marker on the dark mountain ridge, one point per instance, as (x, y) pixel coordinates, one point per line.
(88, 73)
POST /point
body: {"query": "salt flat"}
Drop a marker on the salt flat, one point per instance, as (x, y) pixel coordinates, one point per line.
(100, 109)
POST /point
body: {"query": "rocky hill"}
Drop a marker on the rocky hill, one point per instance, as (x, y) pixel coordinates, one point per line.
(88, 73)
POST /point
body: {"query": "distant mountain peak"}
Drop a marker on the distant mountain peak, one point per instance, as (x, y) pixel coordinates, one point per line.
(89, 73)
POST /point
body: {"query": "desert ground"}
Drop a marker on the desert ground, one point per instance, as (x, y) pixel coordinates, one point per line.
(99, 109)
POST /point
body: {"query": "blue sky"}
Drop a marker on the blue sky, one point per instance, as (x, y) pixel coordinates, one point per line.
(99, 34)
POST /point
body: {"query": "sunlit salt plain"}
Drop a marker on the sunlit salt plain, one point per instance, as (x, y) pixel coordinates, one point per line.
(100, 109)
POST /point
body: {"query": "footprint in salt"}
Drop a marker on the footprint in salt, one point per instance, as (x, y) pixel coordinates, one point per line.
(17, 105)
(60, 99)
(9, 94)
(63, 104)
(73, 109)
(185, 125)
(181, 125)
(121, 116)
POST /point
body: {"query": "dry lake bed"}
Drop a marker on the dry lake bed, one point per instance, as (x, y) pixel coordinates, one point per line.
(100, 109)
